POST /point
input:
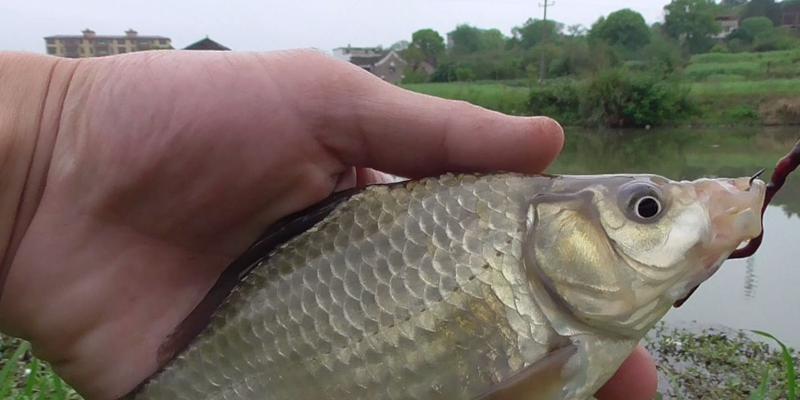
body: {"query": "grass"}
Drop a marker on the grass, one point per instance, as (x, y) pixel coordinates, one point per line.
(773, 56)
(721, 364)
(789, 368)
(744, 66)
(24, 377)
(770, 88)
(495, 96)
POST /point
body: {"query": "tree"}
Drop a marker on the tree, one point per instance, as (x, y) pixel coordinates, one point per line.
(732, 3)
(752, 27)
(692, 23)
(763, 8)
(492, 39)
(465, 39)
(625, 28)
(426, 45)
(534, 30)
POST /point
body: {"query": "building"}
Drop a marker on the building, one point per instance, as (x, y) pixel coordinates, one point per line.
(387, 65)
(346, 53)
(728, 23)
(92, 45)
(791, 17)
(206, 44)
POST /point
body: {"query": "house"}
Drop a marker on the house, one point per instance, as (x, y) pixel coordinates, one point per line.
(791, 17)
(387, 65)
(346, 53)
(206, 44)
(90, 44)
(728, 23)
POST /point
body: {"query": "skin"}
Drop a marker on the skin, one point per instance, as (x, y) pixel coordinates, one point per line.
(130, 182)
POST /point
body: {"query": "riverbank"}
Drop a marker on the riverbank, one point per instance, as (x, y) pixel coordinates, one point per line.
(714, 362)
(723, 90)
(768, 102)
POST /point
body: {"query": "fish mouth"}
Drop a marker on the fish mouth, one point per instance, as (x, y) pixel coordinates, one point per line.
(734, 209)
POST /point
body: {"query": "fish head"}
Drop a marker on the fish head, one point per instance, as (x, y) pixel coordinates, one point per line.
(617, 251)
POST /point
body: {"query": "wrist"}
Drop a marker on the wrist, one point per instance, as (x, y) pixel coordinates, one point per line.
(32, 91)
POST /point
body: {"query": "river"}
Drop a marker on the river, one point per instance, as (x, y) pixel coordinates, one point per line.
(762, 292)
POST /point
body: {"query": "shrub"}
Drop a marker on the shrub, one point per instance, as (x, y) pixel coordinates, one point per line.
(621, 98)
(412, 76)
(615, 98)
(557, 99)
(742, 114)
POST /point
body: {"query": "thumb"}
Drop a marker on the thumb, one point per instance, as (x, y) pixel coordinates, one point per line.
(374, 124)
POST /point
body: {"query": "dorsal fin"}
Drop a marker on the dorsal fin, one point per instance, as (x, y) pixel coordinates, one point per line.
(278, 234)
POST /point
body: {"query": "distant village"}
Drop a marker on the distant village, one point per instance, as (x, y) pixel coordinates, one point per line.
(386, 64)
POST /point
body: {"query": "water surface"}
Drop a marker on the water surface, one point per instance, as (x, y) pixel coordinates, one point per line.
(762, 292)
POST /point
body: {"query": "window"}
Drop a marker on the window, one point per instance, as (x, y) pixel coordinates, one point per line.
(121, 50)
(51, 50)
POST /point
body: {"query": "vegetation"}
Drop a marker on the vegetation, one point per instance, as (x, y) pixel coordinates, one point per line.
(681, 70)
(23, 377)
(720, 364)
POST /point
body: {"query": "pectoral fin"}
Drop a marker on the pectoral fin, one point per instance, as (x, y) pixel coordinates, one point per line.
(543, 380)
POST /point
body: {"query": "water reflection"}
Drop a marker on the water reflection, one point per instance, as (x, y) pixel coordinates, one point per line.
(750, 278)
(756, 293)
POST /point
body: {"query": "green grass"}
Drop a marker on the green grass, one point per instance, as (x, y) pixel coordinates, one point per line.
(494, 96)
(788, 364)
(744, 66)
(721, 364)
(24, 377)
(770, 88)
(774, 56)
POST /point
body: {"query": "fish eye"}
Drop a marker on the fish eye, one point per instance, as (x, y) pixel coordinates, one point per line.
(647, 207)
(641, 202)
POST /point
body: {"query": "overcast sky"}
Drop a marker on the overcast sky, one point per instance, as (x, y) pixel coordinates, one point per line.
(275, 24)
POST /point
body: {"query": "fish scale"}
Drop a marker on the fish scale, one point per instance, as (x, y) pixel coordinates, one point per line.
(406, 295)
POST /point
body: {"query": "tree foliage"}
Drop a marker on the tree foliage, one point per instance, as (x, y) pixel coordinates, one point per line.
(763, 8)
(534, 31)
(624, 28)
(426, 45)
(692, 23)
(465, 39)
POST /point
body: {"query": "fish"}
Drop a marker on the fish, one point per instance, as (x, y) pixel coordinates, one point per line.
(462, 286)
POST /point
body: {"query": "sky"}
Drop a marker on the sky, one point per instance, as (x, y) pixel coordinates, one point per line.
(262, 25)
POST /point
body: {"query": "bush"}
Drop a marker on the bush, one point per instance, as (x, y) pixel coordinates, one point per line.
(742, 114)
(465, 74)
(615, 98)
(559, 100)
(620, 98)
(411, 76)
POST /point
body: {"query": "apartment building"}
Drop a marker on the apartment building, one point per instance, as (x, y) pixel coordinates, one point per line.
(89, 44)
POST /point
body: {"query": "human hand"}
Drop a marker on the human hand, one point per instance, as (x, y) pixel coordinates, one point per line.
(163, 167)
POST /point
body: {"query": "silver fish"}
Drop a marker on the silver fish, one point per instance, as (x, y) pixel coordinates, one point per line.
(458, 287)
